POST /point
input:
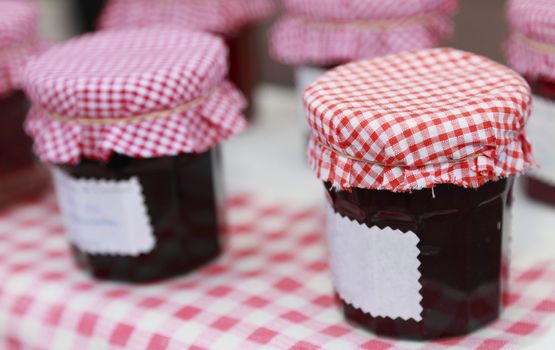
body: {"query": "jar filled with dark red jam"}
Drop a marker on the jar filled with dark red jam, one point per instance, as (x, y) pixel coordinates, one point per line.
(244, 66)
(531, 52)
(234, 20)
(131, 121)
(21, 176)
(87, 13)
(418, 162)
(540, 182)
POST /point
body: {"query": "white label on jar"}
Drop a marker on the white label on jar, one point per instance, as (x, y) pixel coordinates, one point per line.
(375, 270)
(304, 77)
(541, 131)
(105, 217)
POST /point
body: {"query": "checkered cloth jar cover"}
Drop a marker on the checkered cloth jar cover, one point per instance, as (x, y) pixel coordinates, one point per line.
(331, 32)
(418, 119)
(216, 16)
(531, 46)
(141, 92)
(18, 39)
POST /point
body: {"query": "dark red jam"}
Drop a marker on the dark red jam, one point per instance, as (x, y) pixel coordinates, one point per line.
(464, 236)
(181, 195)
(243, 65)
(20, 174)
(536, 188)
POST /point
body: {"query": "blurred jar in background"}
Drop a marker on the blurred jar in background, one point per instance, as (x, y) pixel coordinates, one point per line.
(232, 19)
(418, 153)
(531, 52)
(21, 176)
(131, 120)
(87, 13)
(316, 35)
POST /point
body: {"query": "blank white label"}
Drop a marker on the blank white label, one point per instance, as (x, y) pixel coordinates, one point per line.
(105, 217)
(540, 130)
(375, 270)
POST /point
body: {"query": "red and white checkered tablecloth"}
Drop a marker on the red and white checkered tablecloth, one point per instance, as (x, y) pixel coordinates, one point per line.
(271, 289)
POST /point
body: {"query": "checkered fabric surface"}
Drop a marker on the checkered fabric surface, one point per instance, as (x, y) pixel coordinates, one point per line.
(18, 39)
(531, 47)
(418, 119)
(271, 289)
(217, 16)
(124, 74)
(334, 32)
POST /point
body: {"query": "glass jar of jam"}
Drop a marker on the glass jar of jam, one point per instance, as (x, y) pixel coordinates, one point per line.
(235, 20)
(21, 176)
(540, 183)
(185, 219)
(87, 13)
(243, 65)
(530, 51)
(315, 36)
(134, 152)
(418, 165)
(463, 238)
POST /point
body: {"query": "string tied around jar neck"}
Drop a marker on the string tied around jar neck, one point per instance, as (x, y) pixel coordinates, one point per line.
(376, 24)
(396, 165)
(131, 119)
(535, 45)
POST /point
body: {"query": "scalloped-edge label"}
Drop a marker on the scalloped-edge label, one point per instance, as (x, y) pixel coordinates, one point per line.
(104, 217)
(540, 129)
(375, 270)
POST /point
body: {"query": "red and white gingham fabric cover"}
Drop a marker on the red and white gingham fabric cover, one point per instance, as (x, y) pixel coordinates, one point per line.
(18, 39)
(129, 73)
(216, 16)
(531, 47)
(330, 32)
(414, 120)
(271, 289)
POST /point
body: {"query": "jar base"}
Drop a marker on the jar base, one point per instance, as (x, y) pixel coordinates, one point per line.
(411, 330)
(128, 271)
